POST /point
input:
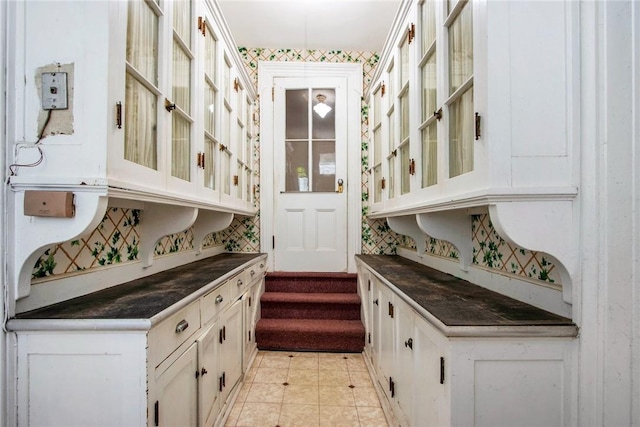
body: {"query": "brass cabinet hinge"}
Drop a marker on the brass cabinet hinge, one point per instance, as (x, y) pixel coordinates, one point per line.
(411, 32)
(383, 89)
(273, 93)
(412, 166)
(477, 126)
(202, 26)
(235, 180)
(236, 84)
(383, 183)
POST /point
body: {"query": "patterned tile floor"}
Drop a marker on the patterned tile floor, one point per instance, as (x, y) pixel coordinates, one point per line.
(307, 389)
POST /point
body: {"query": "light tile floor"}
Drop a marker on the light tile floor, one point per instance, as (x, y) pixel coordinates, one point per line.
(289, 389)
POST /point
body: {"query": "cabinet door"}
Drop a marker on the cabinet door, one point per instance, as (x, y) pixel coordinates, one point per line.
(404, 374)
(430, 394)
(177, 386)
(231, 347)
(386, 338)
(208, 385)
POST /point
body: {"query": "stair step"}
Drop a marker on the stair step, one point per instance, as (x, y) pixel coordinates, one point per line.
(281, 305)
(310, 334)
(311, 282)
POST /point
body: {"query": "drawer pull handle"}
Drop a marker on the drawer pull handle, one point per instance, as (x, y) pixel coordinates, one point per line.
(239, 282)
(181, 326)
(219, 299)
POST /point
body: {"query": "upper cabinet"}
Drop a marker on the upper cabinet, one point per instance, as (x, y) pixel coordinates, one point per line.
(472, 101)
(158, 102)
(475, 107)
(141, 103)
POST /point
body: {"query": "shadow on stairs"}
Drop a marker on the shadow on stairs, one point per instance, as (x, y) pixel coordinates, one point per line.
(310, 312)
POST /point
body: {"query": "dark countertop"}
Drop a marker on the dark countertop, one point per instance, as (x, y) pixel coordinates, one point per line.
(145, 297)
(456, 302)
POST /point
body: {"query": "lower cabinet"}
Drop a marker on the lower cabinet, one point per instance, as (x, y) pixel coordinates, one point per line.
(435, 375)
(121, 372)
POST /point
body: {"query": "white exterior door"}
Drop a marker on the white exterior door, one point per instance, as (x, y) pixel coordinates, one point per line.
(310, 174)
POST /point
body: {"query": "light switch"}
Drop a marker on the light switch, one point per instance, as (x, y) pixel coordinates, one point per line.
(54, 91)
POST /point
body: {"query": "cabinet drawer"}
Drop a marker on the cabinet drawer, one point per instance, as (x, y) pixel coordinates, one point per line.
(256, 271)
(238, 284)
(173, 331)
(215, 301)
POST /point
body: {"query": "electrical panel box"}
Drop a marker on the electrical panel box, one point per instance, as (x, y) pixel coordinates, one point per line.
(54, 91)
(49, 203)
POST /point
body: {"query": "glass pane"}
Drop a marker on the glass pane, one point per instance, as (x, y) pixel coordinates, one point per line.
(377, 145)
(226, 80)
(226, 172)
(239, 149)
(392, 173)
(226, 126)
(461, 134)
(429, 155)
(391, 83)
(248, 148)
(210, 55)
(142, 40)
(210, 153)
(181, 78)
(392, 131)
(461, 49)
(240, 176)
(297, 159)
(181, 19)
(377, 179)
(404, 167)
(297, 114)
(429, 87)
(377, 105)
(140, 123)
(247, 183)
(404, 63)
(209, 109)
(428, 24)
(324, 121)
(404, 116)
(324, 165)
(180, 147)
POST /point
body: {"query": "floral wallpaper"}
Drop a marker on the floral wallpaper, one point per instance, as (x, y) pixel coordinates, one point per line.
(116, 240)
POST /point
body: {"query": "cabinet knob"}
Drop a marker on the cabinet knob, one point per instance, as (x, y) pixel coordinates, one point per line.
(253, 273)
(219, 299)
(375, 301)
(181, 326)
(409, 343)
(239, 282)
(261, 265)
(203, 371)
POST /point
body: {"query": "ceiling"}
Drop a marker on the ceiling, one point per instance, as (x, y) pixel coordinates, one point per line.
(356, 25)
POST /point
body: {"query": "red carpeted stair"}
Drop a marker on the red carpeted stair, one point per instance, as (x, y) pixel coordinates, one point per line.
(310, 311)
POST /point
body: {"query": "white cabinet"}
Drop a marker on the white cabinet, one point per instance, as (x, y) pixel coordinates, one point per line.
(178, 367)
(454, 126)
(146, 99)
(454, 99)
(468, 372)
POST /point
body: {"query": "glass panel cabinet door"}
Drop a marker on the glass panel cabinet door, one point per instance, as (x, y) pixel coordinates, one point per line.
(141, 116)
(210, 110)
(429, 81)
(181, 92)
(461, 92)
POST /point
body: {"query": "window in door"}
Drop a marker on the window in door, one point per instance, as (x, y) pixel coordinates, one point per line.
(392, 138)
(403, 101)
(310, 140)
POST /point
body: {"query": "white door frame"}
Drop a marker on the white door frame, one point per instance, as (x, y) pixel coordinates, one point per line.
(267, 72)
